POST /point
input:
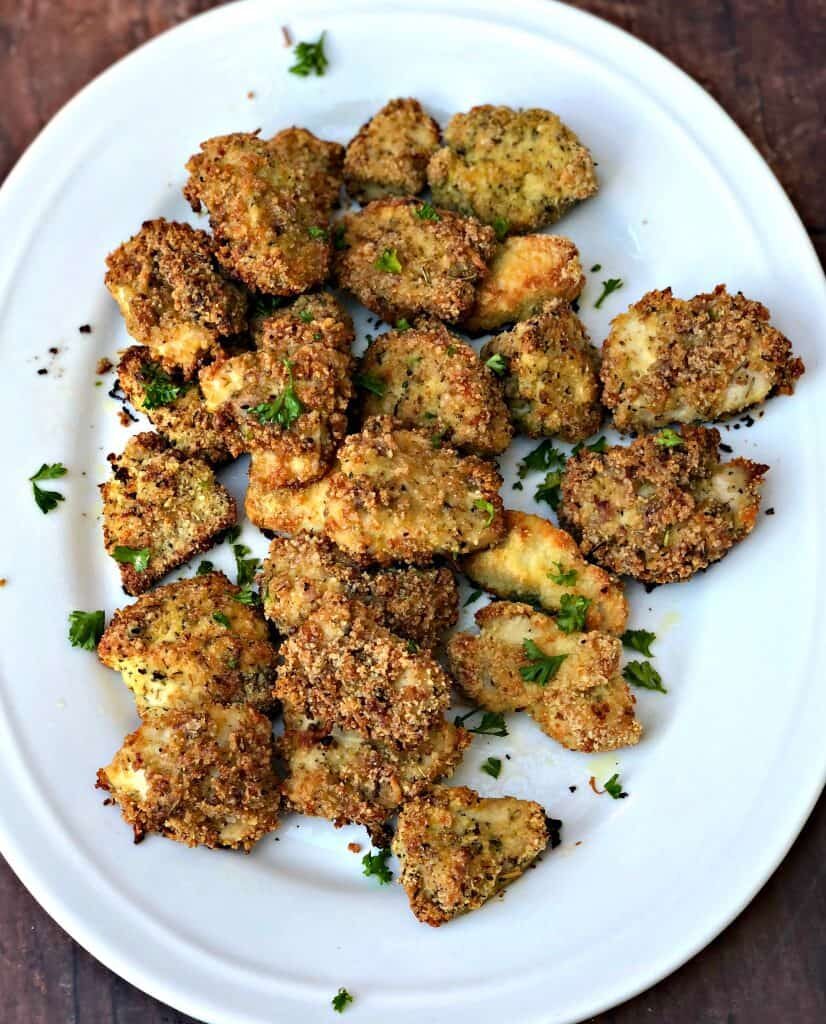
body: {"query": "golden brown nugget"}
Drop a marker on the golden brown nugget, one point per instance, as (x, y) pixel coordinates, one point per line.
(389, 155)
(550, 375)
(284, 509)
(539, 563)
(269, 203)
(526, 272)
(516, 169)
(173, 295)
(671, 360)
(192, 643)
(346, 778)
(584, 704)
(176, 409)
(418, 604)
(314, 318)
(457, 849)
(341, 667)
(663, 507)
(159, 509)
(404, 259)
(429, 379)
(200, 777)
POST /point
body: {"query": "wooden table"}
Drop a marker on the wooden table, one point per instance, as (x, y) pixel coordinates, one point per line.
(764, 61)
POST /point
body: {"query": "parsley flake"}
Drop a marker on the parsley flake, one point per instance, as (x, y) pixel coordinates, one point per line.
(501, 227)
(283, 410)
(310, 58)
(599, 446)
(563, 577)
(317, 232)
(221, 619)
(389, 262)
(341, 999)
(205, 568)
(473, 598)
(86, 629)
(613, 284)
(572, 611)
(138, 558)
(496, 364)
(339, 241)
(596, 267)
(368, 382)
(245, 567)
(492, 723)
(541, 459)
(427, 212)
(402, 325)
(492, 767)
(246, 595)
(266, 305)
(306, 317)
(643, 673)
(614, 789)
(542, 667)
(376, 864)
(47, 500)
(639, 640)
(482, 505)
(159, 388)
(668, 438)
(549, 489)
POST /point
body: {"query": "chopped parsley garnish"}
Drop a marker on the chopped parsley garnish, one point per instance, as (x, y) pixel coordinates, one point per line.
(600, 445)
(549, 489)
(389, 262)
(86, 629)
(572, 611)
(668, 438)
(596, 267)
(563, 577)
(412, 647)
(246, 595)
(221, 619)
(368, 382)
(159, 388)
(47, 500)
(138, 558)
(639, 640)
(232, 534)
(427, 212)
(266, 305)
(483, 505)
(492, 767)
(492, 723)
(376, 864)
(310, 58)
(611, 285)
(341, 999)
(436, 441)
(543, 667)
(643, 673)
(496, 364)
(205, 568)
(306, 317)
(316, 232)
(501, 227)
(339, 241)
(283, 410)
(541, 459)
(614, 789)
(245, 567)
(402, 324)
(473, 598)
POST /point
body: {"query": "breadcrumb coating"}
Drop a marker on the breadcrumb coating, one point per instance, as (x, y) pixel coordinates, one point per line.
(518, 169)
(161, 501)
(288, 330)
(389, 155)
(657, 511)
(403, 260)
(198, 777)
(670, 360)
(586, 706)
(429, 379)
(458, 849)
(551, 378)
(173, 296)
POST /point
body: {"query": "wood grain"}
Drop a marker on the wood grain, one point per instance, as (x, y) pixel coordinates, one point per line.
(764, 62)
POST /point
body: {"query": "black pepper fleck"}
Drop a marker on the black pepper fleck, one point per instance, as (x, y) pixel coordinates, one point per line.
(769, 511)
(85, 328)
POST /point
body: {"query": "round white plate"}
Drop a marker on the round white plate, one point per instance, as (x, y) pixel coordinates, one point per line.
(733, 757)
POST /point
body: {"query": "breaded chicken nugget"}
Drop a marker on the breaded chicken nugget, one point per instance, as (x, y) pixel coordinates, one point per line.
(342, 668)
(200, 777)
(527, 271)
(173, 295)
(313, 318)
(404, 259)
(674, 360)
(662, 508)
(176, 409)
(580, 701)
(191, 643)
(429, 379)
(418, 604)
(538, 563)
(516, 169)
(458, 849)
(159, 509)
(269, 204)
(342, 776)
(391, 497)
(550, 374)
(388, 156)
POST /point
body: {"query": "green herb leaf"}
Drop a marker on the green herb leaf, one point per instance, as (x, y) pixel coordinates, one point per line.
(47, 500)
(306, 317)
(368, 382)
(501, 227)
(246, 595)
(643, 673)
(482, 505)
(614, 789)
(50, 471)
(375, 864)
(341, 999)
(402, 325)
(389, 262)
(232, 535)
(316, 232)
(550, 489)
(668, 438)
(412, 647)
(543, 667)
(310, 58)
(572, 611)
(427, 212)
(159, 388)
(596, 267)
(541, 459)
(563, 577)
(220, 618)
(283, 410)
(339, 241)
(136, 557)
(600, 445)
(245, 567)
(205, 568)
(492, 723)
(492, 767)
(473, 598)
(86, 629)
(496, 364)
(639, 640)
(611, 285)
(266, 305)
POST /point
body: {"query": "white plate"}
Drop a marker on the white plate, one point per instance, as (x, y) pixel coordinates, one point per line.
(733, 758)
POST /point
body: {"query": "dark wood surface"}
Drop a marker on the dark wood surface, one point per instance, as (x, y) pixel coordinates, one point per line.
(766, 63)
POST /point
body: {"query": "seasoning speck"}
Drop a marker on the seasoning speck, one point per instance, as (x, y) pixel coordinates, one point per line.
(124, 418)
(288, 39)
(85, 328)
(104, 365)
(354, 847)
(54, 350)
(769, 511)
(726, 448)
(250, 95)
(42, 371)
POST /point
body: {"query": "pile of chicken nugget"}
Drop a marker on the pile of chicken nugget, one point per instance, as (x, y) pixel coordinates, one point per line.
(376, 480)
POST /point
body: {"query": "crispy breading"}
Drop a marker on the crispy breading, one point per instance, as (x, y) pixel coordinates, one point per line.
(165, 502)
(269, 203)
(200, 777)
(517, 169)
(660, 512)
(586, 706)
(526, 272)
(172, 294)
(184, 421)
(534, 550)
(670, 360)
(458, 849)
(429, 379)
(401, 264)
(551, 382)
(340, 667)
(342, 776)
(389, 154)
(418, 604)
(312, 318)
(391, 497)
(191, 643)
